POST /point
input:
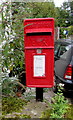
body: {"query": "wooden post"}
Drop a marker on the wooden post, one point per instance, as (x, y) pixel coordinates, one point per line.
(39, 94)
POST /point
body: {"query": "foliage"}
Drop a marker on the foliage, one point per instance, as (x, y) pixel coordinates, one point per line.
(46, 114)
(70, 29)
(65, 18)
(59, 106)
(62, 35)
(9, 85)
(12, 33)
(29, 94)
(62, 17)
(12, 104)
(68, 6)
(71, 11)
(22, 116)
(13, 55)
(43, 9)
(13, 15)
(69, 113)
(15, 116)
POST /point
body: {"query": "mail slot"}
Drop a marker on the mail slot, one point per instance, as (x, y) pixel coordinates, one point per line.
(39, 52)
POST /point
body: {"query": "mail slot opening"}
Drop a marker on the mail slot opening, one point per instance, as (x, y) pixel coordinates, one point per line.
(39, 33)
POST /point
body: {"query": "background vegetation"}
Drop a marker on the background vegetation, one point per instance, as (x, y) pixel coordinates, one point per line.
(12, 35)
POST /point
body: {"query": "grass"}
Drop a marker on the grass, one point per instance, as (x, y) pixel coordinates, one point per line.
(69, 114)
(12, 104)
(46, 114)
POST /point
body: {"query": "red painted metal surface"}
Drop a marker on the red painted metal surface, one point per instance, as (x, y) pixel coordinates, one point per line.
(39, 52)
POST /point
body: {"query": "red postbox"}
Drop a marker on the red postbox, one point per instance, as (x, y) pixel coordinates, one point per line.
(39, 52)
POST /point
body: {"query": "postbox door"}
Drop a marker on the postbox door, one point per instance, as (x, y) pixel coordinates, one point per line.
(39, 52)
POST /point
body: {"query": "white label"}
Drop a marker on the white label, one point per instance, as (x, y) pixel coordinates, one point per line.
(39, 65)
